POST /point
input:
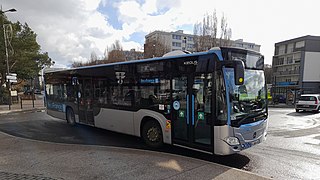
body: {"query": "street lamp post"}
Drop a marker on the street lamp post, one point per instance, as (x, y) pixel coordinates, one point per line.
(7, 55)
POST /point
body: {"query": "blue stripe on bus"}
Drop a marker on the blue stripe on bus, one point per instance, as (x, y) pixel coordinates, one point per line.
(188, 109)
(192, 109)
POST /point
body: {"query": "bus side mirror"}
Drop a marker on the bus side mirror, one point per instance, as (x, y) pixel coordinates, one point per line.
(238, 67)
(239, 73)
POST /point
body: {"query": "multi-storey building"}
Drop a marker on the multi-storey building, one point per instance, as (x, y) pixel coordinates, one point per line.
(133, 55)
(296, 67)
(160, 42)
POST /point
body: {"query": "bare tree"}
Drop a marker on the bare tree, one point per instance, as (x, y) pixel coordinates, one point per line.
(225, 32)
(93, 57)
(93, 61)
(115, 53)
(206, 32)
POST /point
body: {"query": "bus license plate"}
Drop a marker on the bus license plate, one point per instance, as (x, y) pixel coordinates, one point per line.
(249, 144)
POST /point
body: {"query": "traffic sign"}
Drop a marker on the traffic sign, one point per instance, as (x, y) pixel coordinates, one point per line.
(13, 80)
(12, 74)
(11, 77)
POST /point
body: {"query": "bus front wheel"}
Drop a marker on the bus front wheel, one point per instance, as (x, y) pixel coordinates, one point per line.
(152, 134)
(70, 117)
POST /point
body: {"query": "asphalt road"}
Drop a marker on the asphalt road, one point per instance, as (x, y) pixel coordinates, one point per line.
(292, 150)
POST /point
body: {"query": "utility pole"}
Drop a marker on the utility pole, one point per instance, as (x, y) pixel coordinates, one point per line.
(7, 55)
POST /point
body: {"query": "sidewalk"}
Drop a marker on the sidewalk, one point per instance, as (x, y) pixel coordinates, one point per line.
(27, 105)
(281, 105)
(30, 159)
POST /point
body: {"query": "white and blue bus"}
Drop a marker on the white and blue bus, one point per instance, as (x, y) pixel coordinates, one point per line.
(214, 101)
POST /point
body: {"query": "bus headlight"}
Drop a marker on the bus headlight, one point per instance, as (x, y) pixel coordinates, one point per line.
(232, 141)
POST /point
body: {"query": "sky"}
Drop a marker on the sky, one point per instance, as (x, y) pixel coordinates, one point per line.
(70, 30)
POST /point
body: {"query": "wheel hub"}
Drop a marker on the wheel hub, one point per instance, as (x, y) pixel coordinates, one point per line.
(153, 134)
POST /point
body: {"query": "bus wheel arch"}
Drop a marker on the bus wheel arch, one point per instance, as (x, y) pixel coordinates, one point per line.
(70, 116)
(151, 132)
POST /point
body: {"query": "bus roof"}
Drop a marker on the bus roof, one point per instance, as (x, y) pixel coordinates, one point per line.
(49, 70)
(212, 50)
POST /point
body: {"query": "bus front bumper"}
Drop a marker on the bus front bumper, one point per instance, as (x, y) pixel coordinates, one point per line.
(242, 139)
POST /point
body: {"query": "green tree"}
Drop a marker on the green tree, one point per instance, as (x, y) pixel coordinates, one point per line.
(25, 56)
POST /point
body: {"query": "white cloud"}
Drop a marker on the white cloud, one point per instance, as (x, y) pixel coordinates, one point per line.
(71, 29)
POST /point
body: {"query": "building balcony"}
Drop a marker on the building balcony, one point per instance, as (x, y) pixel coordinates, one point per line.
(286, 73)
(291, 64)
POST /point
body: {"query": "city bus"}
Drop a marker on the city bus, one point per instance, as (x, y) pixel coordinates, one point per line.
(213, 101)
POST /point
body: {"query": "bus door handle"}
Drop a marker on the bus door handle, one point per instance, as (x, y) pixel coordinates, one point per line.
(187, 109)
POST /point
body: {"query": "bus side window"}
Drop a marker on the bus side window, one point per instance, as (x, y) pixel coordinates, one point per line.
(221, 103)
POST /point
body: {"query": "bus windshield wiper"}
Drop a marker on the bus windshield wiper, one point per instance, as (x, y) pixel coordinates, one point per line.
(252, 116)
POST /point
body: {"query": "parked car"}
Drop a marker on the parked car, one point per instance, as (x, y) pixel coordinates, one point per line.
(308, 102)
(27, 92)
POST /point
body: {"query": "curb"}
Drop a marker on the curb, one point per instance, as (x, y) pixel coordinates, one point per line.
(5, 112)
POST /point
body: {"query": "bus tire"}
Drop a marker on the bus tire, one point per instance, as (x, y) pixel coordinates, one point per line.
(71, 120)
(152, 134)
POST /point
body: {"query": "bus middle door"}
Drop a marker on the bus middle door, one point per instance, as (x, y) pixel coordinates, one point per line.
(191, 115)
(86, 102)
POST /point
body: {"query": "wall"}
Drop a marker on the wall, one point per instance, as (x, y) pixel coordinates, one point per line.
(311, 71)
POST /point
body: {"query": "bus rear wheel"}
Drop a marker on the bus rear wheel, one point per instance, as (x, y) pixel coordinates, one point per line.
(71, 120)
(152, 134)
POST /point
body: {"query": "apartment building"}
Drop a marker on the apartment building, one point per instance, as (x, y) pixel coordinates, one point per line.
(296, 67)
(132, 54)
(178, 40)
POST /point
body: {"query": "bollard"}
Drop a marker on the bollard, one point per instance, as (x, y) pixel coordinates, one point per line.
(33, 98)
(21, 102)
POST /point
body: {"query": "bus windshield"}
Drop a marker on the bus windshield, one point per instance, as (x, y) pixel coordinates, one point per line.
(248, 99)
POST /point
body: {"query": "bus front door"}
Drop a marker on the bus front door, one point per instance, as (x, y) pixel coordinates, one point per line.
(191, 112)
(86, 102)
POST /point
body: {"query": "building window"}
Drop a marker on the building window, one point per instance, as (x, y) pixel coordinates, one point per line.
(190, 38)
(176, 44)
(297, 58)
(190, 46)
(176, 36)
(300, 44)
(279, 61)
(289, 60)
(282, 49)
(290, 48)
